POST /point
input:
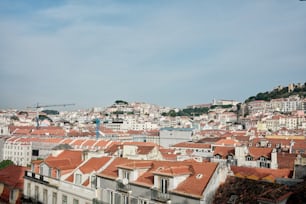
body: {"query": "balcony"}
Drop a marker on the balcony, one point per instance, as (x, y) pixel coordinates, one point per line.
(157, 195)
(35, 177)
(123, 187)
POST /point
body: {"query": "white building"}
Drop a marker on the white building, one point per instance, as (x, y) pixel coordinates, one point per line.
(18, 150)
(171, 136)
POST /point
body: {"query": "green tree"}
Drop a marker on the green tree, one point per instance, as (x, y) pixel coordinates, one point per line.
(5, 163)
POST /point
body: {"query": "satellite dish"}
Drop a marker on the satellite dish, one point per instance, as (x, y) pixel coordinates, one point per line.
(125, 181)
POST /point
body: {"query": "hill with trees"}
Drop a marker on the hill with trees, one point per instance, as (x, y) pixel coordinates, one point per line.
(280, 92)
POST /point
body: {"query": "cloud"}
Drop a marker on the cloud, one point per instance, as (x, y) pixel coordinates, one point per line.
(170, 53)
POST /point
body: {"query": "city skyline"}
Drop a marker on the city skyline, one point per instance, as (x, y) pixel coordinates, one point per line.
(166, 53)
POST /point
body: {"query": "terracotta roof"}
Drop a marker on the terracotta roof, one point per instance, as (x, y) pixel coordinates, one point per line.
(103, 143)
(136, 165)
(257, 152)
(67, 159)
(261, 173)
(224, 151)
(55, 131)
(70, 178)
(94, 164)
(286, 160)
(227, 142)
(89, 142)
(66, 141)
(191, 145)
(12, 176)
(196, 183)
(173, 171)
(78, 142)
(145, 149)
(113, 147)
(111, 171)
(86, 182)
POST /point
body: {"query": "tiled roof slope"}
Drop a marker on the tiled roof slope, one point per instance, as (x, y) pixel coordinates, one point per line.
(261, 173)
(94, 164)
(224, 151)
(198, 173)
(67, 159)
(12, 176)
(257, 152)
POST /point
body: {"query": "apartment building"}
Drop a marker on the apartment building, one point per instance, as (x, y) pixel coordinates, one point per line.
(128, 181)
(18, 150)
(171, 136)
(256, 157)
(73, 177)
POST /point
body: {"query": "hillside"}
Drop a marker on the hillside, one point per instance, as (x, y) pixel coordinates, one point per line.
(280, 92)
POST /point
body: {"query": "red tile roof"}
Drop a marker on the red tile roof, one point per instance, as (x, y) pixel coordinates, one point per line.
(228, 142)
(111, 171)
(173, 171)
(257, 152)
(94, 164)
(12, 176)
(68, 159)
(224, 151)
(261, 173)
(78, 142)
(286, 160)
(191, 145)
(196, 183)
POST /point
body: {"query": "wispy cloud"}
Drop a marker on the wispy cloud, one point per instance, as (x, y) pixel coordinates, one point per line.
(170, 53)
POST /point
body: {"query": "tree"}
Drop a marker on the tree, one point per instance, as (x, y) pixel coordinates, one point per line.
(6, 163)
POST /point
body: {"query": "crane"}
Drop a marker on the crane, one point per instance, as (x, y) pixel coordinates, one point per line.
(38, 106)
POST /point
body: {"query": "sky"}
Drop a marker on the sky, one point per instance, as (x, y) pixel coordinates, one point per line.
(168, 53)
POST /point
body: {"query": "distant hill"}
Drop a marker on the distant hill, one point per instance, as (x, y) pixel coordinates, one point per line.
(280, 92)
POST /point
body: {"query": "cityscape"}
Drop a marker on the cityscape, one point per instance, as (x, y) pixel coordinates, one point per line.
(225, 151)
(152, 102)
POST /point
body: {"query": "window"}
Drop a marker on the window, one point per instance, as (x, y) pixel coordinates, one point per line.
(249, 158)
(75, 201)
(126, 174)
(54, 198)
(36, 193)
(143, 202)
(78, 178)
(45, 196)
(58, 173)
(64, 199)
(11, 195)
(164, 185)
(111, 197)
(93, 181)
(29, 189)
(125, 199)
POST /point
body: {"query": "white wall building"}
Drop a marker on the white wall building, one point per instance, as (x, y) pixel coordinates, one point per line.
(18, 151)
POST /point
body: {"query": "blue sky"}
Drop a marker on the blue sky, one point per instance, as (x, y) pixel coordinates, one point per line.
(169, 53)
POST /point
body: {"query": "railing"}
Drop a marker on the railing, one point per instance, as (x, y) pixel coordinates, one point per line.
(123, 187)
(159, 196)
(37, 177)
